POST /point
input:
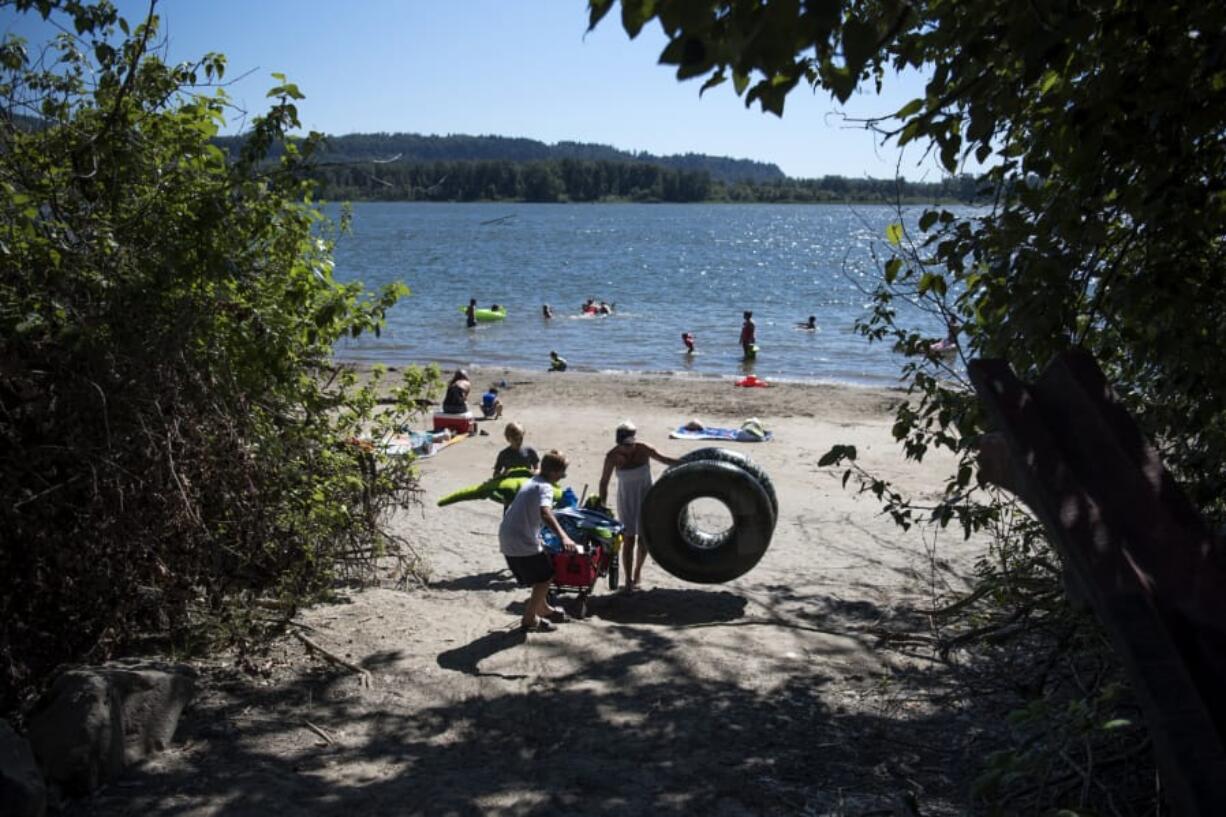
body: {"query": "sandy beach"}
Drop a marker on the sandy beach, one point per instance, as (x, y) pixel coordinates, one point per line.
(787, 691)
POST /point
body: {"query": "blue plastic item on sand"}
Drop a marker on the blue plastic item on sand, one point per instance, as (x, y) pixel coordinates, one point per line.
(569, 499)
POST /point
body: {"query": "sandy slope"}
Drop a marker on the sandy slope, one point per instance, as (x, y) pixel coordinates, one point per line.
(774, 694)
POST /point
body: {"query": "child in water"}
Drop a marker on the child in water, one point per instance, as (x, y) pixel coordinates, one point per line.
(810, 325)
(557, 363)
(688, 339)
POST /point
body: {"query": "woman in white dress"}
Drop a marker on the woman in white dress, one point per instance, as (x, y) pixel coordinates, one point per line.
(631, 460)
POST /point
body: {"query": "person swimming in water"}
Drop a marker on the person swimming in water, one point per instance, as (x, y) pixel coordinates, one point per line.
(546, 311)
(810, 324)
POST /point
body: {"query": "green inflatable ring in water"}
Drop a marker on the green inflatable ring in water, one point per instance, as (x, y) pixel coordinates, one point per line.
(487, 315)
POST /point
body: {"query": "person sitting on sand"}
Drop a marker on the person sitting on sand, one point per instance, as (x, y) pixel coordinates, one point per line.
(491, 406)
(456, 399)
(688, 339)
(557, 363)
(516, 454)
(810, 324)
(546, 312)
(519, 539)
(631, 460)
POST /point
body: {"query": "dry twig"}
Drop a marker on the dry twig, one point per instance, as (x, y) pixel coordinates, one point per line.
(320, 731)
(367, 681)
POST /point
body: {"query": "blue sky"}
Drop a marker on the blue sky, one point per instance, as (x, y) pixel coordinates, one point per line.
(510, 68)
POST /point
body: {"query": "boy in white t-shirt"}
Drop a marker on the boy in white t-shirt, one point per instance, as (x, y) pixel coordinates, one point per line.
(519, 538)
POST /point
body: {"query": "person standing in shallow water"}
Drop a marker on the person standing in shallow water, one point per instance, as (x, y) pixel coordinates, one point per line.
(749, 334)
(631, 460)
(471, 313)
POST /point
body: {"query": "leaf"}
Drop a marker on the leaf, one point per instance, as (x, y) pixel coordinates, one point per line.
(859, 43)
(740, 81)
(927, 220)
(891, 269)
(894, 234)
(931, 281)
(836, 455)
(597, 9)
(718, 78)
(841, 80)
(910, 109)
(635, 13)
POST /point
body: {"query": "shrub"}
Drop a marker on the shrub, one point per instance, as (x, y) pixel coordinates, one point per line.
(175, 439)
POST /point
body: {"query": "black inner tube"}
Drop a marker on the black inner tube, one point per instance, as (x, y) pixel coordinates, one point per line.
(693, 555)
(737, 458)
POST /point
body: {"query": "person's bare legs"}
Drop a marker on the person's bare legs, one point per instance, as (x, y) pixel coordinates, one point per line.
(537, 606)
(628, 543)
(641, 557)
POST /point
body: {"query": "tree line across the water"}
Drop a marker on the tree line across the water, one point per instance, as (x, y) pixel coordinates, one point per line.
(414, 148)
(412, 167)
(578, 180)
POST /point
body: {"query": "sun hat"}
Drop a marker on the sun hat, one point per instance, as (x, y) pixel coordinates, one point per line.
(625, 432)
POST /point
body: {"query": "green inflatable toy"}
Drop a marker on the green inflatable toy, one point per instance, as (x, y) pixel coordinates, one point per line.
(487, 315)
(501, 488)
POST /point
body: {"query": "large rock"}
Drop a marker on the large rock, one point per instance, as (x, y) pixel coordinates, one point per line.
(22, 793)
(95, 721)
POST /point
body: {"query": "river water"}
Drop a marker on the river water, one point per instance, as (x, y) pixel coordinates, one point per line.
(666, 268)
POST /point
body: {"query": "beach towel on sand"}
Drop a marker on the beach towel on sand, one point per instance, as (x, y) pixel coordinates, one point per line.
(738, 435)
(420, 443)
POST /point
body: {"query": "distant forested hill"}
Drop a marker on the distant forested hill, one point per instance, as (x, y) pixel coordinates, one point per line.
(412, 148)
(411, 167)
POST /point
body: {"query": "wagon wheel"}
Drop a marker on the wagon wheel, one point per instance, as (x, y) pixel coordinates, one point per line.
(581, 607)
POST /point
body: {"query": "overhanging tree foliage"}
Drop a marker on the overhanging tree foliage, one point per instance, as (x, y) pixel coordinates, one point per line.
(1102, 126)
(174, 439)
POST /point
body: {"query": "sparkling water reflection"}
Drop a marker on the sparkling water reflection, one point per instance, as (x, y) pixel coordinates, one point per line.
(667, 268)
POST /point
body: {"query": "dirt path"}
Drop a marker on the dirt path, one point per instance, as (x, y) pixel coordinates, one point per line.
(779, 693)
